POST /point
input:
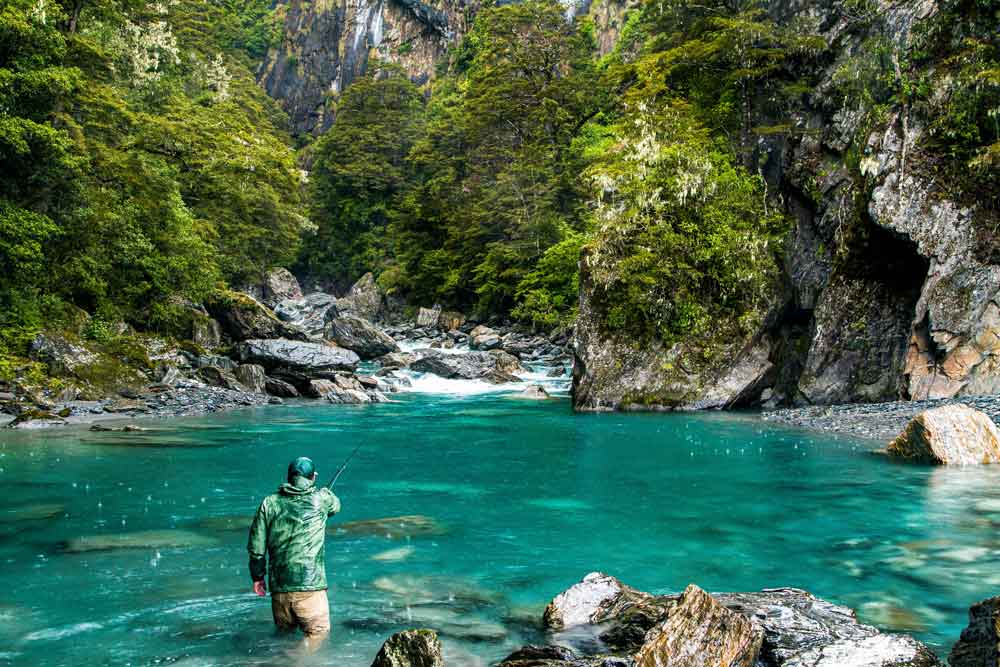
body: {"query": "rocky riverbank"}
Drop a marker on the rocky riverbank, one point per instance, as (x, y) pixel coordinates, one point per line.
(876, 421)
(267, 344)
(602, 622)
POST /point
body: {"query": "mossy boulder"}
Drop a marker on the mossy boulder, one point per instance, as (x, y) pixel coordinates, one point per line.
(243, 318)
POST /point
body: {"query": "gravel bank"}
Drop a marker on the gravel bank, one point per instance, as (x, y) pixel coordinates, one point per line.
(878, 421)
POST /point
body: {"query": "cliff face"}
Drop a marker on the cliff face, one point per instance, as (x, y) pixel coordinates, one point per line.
(889, 292)
(326, 44)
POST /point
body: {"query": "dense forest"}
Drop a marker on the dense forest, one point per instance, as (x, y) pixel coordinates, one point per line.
(143, 168)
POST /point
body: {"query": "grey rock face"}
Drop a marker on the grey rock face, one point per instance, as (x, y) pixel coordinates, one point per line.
(428, 317)
(59, 354)
(361, 336)
(411, 648)
(279, 285)
(297, 355)
(218, 377)
(251, 376)
(363, 300)
(979, 644)
(242, 318)
(309, 314)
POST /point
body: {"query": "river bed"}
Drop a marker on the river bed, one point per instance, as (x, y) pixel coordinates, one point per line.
(515, 501)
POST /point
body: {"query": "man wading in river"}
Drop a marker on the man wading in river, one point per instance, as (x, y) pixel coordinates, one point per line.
(287, 544)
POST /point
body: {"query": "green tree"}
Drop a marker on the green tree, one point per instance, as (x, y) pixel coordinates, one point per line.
(359, 174)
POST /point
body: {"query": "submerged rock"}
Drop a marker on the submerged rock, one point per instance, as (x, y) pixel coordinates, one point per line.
(33, 512)
(699, 626)
(535, 392)
(126, 428)
(979, 644)
(394, 555)
(144, 539)
(949, 435)
(354, 333)
(393, 528)
(411, 648)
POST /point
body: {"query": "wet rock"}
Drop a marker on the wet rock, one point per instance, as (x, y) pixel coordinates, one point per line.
(507, 363)
(535, 392)
(361, 336)
(486, 342)
(875, 651)
(32, 512)
(468, 366)
(396, 360)
(951, 435)
(411, 648)
(428, 317)
(279, 285)
(217, 377)
(597, 598)
(145, 539)
(499, 377)
(557, 372)
(363, 300)
(393, 528)
(280, 388)
(297, 355)
(251, 376)
(700, 631)
(979, 644)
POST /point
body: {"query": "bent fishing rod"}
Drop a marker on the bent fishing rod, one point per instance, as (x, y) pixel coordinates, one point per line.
(344, 465)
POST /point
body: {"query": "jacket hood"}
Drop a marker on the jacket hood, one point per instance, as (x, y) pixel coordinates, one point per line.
(299, 486)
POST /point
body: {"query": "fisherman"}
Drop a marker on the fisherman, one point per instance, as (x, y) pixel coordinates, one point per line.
(287, 545)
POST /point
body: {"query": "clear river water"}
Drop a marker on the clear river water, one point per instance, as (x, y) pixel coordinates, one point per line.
(518, 500)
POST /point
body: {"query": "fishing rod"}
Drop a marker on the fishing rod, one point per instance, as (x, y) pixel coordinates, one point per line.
(344, 465)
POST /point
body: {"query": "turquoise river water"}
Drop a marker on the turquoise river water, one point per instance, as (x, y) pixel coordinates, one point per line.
(521, 500)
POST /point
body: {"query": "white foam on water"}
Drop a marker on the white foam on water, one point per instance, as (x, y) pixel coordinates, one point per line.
(60, 633)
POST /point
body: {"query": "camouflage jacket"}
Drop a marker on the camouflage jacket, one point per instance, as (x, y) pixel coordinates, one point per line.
(290, 531)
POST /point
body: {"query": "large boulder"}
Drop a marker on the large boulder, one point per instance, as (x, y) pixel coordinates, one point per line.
(458, 366)
(700, 631)
(344, 389)
(251, 376)
(280, 388)
(799, 630)
(949, 435)
(220, 377)
(597, 598)
(428, 317)
(450, 320)
(310, 313)
(411, 648)
(354, 333)
(507, 362)
(363, 300)
(243, 318)
(306, 357)
(979, 644)
(279, 285)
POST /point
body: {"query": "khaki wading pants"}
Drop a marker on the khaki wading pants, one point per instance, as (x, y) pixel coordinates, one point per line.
(305, 610)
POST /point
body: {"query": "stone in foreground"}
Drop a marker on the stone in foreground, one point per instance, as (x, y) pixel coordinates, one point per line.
(949, 435)
(411, 648)
(979, 644)
(700, 631)
(595, 599)
(535, 392)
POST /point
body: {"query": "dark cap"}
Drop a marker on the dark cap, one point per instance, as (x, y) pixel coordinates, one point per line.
(301, 467)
